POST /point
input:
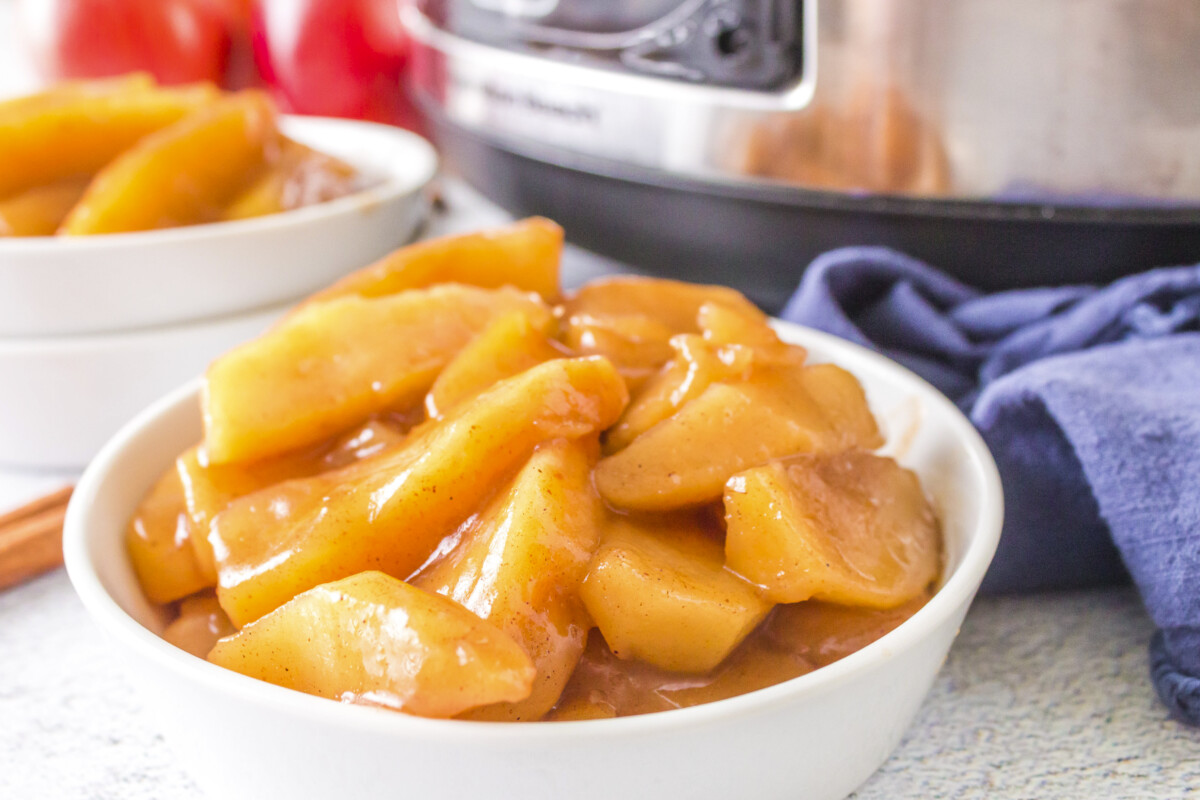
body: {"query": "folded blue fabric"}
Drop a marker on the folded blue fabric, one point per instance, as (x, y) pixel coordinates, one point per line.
(1089, 399)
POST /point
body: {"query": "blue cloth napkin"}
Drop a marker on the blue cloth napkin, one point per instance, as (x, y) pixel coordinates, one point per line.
(1089, 399)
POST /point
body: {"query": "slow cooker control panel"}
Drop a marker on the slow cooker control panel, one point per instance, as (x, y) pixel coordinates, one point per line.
(746, 44)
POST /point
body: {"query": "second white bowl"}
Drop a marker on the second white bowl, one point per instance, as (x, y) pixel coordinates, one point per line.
(61, 398)
(54, 286)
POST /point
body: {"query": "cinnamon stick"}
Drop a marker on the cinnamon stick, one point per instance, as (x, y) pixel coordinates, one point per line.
(31, 538)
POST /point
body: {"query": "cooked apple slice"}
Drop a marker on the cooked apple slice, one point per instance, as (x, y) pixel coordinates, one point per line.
(631, 320)
(77, 90)
(209, 488)
(638, 345)
(331, 364)
(75, 133)
(524, 255)
(673, 303)
(725, 325)
(687, 458)
(840, 397)
(183, 174)
(732, 341)
(200, 623)
(850, 528)
(159, 546)
(695, 366)
(296, 176)
(373, 638)
(518, 564)
(390, 512)
(512, 343)
(40, 210)
(659, 592)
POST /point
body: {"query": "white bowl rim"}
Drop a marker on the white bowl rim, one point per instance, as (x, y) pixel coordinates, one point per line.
(955, 593)
(390, 187)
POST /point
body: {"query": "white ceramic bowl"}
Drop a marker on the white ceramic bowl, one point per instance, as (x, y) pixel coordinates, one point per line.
(59, 286)
(62, 398)
(815, 737)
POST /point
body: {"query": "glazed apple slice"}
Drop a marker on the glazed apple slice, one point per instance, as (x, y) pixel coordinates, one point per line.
(725, 325)
(158, 540)
(183, 174)
(510, 344)
(850, 528)
(77, 131)
(209, 488)
(40, 210)
(687, 458)
(372, 638)
(519, 563)
(332, 364)
(77, 90)
(659, 592)
(524, 255)
(637, 344)
(390, 512)
(731, 343)
(840, 397)
(675, 304)
(695, 366)
(631, 320)
(296, 176)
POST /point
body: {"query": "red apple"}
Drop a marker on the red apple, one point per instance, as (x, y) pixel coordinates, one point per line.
(178, 41)
(342, 58)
